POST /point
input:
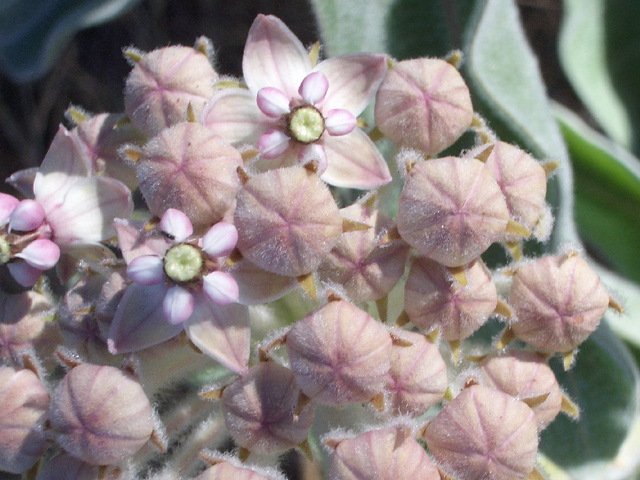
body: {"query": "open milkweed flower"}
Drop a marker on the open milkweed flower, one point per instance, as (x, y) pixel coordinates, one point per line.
(296, 112)
(177, 285)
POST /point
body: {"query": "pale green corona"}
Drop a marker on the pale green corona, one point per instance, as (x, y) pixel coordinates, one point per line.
(5, 250)
(306, 124)
(182, 263)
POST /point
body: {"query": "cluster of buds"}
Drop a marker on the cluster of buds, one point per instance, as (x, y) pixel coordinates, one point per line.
(243, 258)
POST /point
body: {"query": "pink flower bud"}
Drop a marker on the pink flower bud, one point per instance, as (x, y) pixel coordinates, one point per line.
(260, 410)
(163, 83)
(65, 466)
(190, 169)
(366, 270)
(525, 376)
(26, 216)
(233, 469)
(388, 454)
(423, 104)
(100, 414)
(418, 375)
(451, 210)
(484, 433)
(287, 221)
(558, 302)
(434, 299)
(23, 407)
(339, 354)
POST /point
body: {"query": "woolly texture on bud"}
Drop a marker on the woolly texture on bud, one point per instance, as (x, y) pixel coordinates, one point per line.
(227, 470)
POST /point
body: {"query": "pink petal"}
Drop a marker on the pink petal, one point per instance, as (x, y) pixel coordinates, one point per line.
(23, 273)
(22, 180)
(272, 102)
(88, 210)
(339, 122)
(176, 224)
(220, 239)
(7, 204)
(26, 216)
(42, 254)
(177, 305)
(134, 241)
(220, 288)
(63, 165)
(146, 270)
(354, 162)
(274, 57)
(314, 88)
(139, 321)
(353, 80)
(221, 332)
(232, 113)
(313, 152)
(273, 144)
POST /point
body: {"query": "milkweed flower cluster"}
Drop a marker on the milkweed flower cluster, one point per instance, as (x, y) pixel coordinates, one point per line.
(244, 306)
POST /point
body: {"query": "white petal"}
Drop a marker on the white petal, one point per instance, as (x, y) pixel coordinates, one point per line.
(146, 270)
(177, 305)
(273, 144)
(23, 273)
(176, 224)
(339, 122)
(272, 102)
(314, 152)
(274, 57)
(314, 88)
(7, 204)
(220, 239)
(26, 216)
(42, 254)
(221, 288)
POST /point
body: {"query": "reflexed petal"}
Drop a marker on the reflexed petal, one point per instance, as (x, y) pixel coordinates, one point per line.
(221, 288)
(26, 216)
(139, 321)
(7, 204)
(258, 286)
(24, 274)
(63, 165)
(274, 57)
(232, 113)
(313, 152)
(272, 102)
(176, 224)
(354, 162)
(353, 80)
(220, 239)
(314, 88)
(177, 305)
(88, 210)
(339, 122)
(221, 332)
(42, 254)
(134, 241)
(273, 144)
(22, 180)
(146, 270)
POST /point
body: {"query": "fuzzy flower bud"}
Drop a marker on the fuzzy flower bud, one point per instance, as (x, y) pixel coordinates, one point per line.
(424, 104)
(66, 466)
(233, 469)
(339, 354)
(484, 433)
(261, 410)
(389, 454)
(558, 302)
(451, 210)
(433, 298)
(287, 221)
(23, 407)
(100, 414)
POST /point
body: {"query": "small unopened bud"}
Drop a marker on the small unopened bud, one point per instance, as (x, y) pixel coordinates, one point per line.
(389, 454)
(287, 221)
(484, 433)
(451, 210)
(232, 469)
(433, 298)
(100, 414)
(339, 354)
(261, 410)
(558, 302)
(424, 104)
(23, 406)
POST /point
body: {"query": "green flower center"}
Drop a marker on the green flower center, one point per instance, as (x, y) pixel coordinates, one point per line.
(5, 250)
(183, 263)
(305, 124)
